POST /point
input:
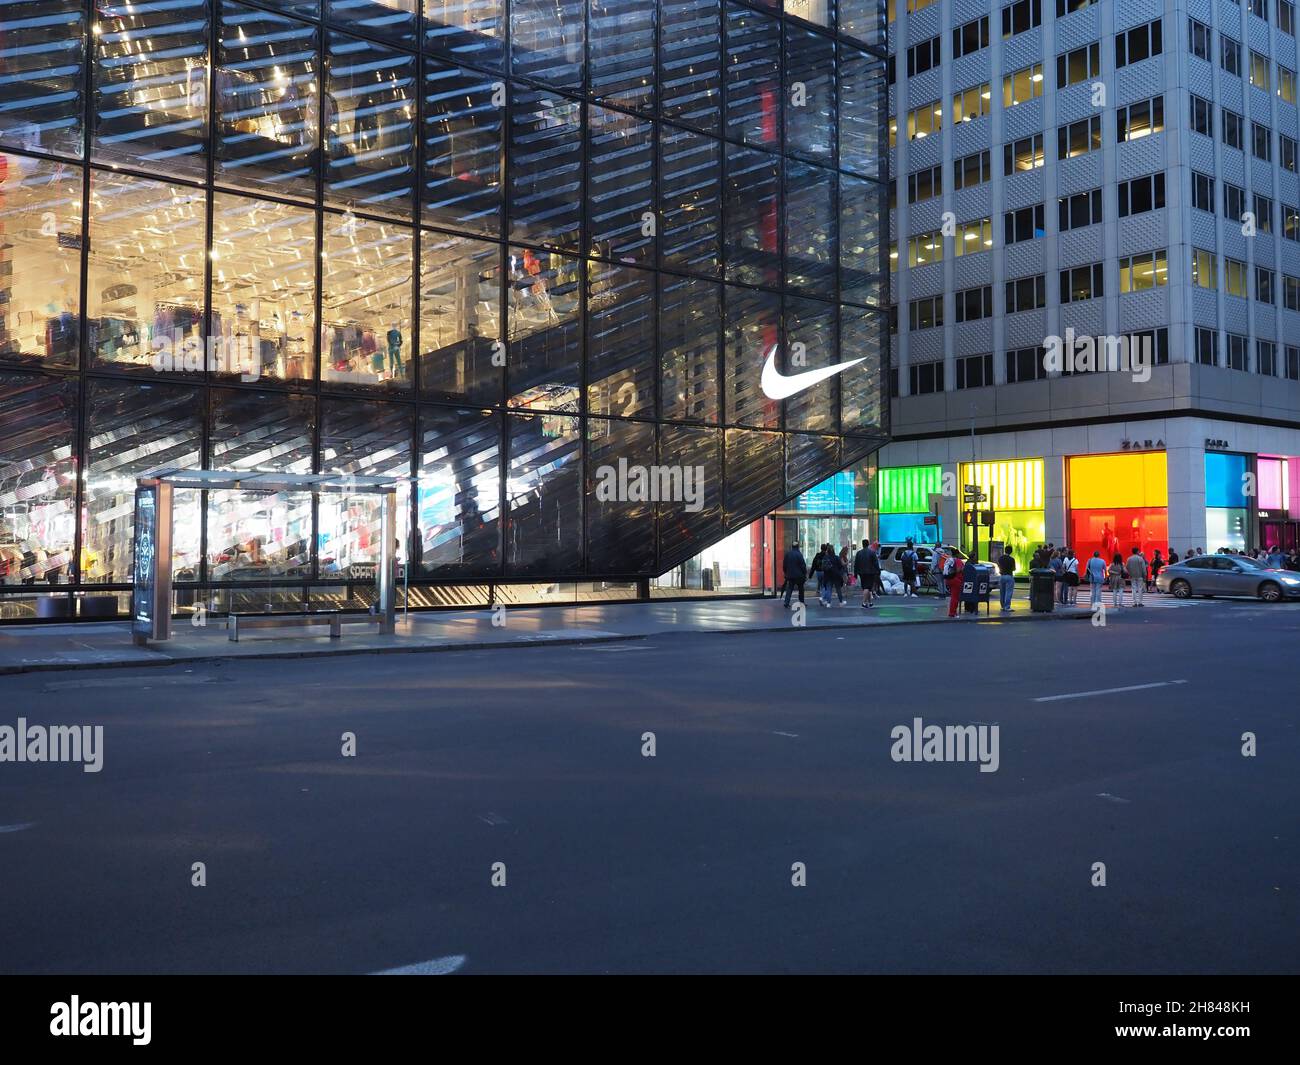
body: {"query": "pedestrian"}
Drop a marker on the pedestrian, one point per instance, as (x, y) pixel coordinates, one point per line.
(1096, 573)
(1057, 565)
(954, 575)
(1070, 575)
(845, 559)
(832, 578)
(909, 560)
(817, 567)
(1116, 575)
(880, 571)
(1137, 574)
(1157, 564)
(795, 571)
(1006, 578)
(866, 566)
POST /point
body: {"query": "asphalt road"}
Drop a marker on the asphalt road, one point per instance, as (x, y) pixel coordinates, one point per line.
(771, 749)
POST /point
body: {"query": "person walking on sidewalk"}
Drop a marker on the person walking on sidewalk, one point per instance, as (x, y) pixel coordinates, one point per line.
(1096, 576)
(1137, 574)
(795, 570)
(1007, 579)
(817, 567)
(1116, 575)
(866, 567)
(909, 559)
(1157, 564)
(954, 574)
(832, 578)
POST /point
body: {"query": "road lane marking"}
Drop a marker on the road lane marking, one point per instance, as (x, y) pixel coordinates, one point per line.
(1107, 691)
(432, 967)
(16, 828)
(1109, 797)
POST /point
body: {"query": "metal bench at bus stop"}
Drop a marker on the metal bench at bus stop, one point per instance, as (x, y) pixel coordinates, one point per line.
(235, 622)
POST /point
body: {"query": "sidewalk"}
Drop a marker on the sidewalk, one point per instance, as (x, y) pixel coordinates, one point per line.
(32, 648)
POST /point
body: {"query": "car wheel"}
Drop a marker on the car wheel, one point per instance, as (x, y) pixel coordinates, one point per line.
(1270, 592)
(1181, 590)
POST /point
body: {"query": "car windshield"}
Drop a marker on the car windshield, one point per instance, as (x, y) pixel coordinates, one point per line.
(1251, 563)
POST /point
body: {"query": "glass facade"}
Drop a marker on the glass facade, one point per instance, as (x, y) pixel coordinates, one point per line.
(903, 499)
(1016, 497)
(1118, 502)
(494, 247)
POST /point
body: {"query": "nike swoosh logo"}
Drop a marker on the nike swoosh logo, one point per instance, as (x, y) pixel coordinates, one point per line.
(777, 385)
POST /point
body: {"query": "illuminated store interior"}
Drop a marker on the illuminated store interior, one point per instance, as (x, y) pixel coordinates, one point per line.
(1118, 502)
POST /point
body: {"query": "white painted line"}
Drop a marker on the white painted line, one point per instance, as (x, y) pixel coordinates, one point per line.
(16, 828)
(1109, 797)
(1107, 691)
(432, 967)
(490, 818)
(791, 735)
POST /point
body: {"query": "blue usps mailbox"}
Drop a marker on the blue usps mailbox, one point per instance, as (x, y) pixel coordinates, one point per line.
(976, 585)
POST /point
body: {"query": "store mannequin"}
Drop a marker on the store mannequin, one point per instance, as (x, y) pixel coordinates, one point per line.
(395, 350)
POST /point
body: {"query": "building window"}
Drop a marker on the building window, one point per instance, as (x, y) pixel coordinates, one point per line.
(923, 121)
(1266, 358)
(925, 184)
(1026, 294)
(1286, 84)
(975, 371)
(1286, 154)
(1139, 43)
(971, 170)
(1261, 142)
(1264, 282)
(1238, 352)
(926, 378)
(1203, 192)
(1022, 155)
(1154, 341)
(1207, 346)
(924, 249)
(1140, 273)
(1259, 71)
(1078, 138)
(970, 37)
(1082, 283)
(1234, 278)
(1292, 367)
(893, 382)
(922, 57)
(1141, 195)
(973, 237)
(1022, 86)
(1202, 115)
(1234, 202)
(1230, 54)
(926, 313)
(1078, 65)
(1079, 210)
(893, 319)
(974, 304)
(1259, 8)
(1024, 224)
(972, 103)
(1233, 129)
(1198, 39)
(1286, 17)
(1291, 292)
(1140, 119)
(1263, 213)
(1021, 16)
(1205, 272)
(1026, 364)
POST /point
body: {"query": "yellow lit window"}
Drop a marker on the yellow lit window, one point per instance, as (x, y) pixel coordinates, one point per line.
(971, 103)
(1022, 86)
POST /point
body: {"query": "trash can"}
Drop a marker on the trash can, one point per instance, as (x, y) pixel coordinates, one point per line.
(1042, 591)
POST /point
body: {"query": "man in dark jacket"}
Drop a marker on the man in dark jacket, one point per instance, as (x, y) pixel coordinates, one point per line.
(796, 572)
(866, 567)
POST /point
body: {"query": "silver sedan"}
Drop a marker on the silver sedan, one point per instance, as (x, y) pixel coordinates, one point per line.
(1212, 575)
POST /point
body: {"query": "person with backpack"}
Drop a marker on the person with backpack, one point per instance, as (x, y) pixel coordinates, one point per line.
(1069, 578)
(909, 561)
(832, 577)
(866, 567)
(817, 567)
(952, 573)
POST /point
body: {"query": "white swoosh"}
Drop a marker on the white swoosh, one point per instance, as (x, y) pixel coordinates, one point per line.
(777, 385)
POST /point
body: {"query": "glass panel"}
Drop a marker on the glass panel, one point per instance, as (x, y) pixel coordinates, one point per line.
(546, 40)
(469, 30)
(690, 311)
(40, 261)
(391, 20)
(755, 480)
(136, 428)
(369, 126)
(144, 292)
(463, 135)
(809, 461)
(809, 95)
(810, 237)
(862, 99)
(753, 76)
(366, 302)
(621, 340)
(545, 169)
(460, 312)
(690, 61)
(459, 492)
(863, 407)
(862, 215)
(363, 439)
(623, 53)
(151, 85)
(42, 57)
(752, 246)
(544, 493)
(690, 189)
(753, 331)
(38, 478)
(545, 330)
(623, 486)
(259, 535)
(620, 186)
(863, 19)
(683, 532)
(268, 102)
(263, 288)
(811, 343)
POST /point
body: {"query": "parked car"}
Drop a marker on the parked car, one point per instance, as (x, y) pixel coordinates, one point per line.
(1212, 575)
(924, 557)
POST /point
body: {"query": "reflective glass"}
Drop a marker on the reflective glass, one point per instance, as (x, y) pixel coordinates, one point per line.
(620, 510)
(861, 213)
(545, 169)
(544, 495)
(753, 76)
(42, 57)
(620, 186)
(263, 289)
(690, 315)
(682, 532)
(620, 340)
(391, 20)
(144, 290)
(468, 30)
(753, 332)
(369, 126)
(622, 51)
(863, 406)
(38, 478)
(459, 498)
(690, 197)
(752, 235)
(151, 85)
(809, 459)
(811, 342)
(755, 481)
(461, 357)
(820, 12)
(463, 137)
(40, 261)
(690, 63)
(810, 229)
(268, 102)
(366, 293)
(863, 19)
(809, 95)
(862, 104)
(546, 40)
(545, 329)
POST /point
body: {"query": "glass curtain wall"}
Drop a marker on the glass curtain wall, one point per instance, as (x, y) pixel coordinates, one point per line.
(529, 255)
